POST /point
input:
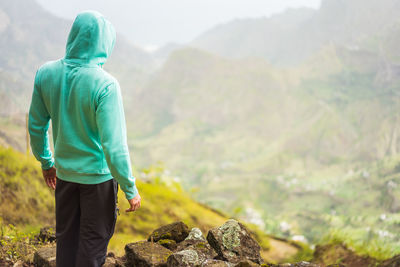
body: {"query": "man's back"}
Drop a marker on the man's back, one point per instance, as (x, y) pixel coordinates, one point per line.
(85, 105)
(70, 93)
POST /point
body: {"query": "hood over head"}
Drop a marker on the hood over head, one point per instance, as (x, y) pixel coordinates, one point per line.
(91, 39)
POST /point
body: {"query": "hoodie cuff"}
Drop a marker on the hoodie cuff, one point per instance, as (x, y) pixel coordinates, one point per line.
(48, 164)
(131, 194)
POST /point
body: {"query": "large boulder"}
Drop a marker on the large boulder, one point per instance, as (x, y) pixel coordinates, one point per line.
(45, 257)
(146, 254)
(177, 231)
(233, 243)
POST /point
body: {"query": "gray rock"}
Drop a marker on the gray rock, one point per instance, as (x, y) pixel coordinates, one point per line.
(177, 231)
(193, 255)
(45, 257)
(146, 254)
(184, 258)
(195, 234)
(233, 243)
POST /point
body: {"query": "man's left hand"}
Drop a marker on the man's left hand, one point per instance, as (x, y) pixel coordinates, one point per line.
(50, 177)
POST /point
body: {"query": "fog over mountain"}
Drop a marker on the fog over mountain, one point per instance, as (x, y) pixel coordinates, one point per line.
(296, 34)
(154, 23)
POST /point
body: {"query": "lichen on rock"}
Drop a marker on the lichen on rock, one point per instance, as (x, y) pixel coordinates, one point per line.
(230, 234)
(234, 243)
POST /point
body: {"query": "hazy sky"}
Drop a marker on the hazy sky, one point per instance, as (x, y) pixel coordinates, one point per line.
(157, 22)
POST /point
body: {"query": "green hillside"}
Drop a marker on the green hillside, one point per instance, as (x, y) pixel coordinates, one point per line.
(28, 204)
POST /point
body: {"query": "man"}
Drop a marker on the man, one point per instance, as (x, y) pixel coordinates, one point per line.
(90, 148)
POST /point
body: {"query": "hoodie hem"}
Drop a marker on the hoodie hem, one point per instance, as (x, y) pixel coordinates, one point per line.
(83, 178)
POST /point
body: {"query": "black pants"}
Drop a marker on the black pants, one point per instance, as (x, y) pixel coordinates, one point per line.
(85, 222)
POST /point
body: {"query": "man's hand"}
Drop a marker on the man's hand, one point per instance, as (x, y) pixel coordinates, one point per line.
(134, 202)
(50, 177)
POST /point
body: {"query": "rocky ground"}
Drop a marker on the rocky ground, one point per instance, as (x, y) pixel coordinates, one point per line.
(229, 245)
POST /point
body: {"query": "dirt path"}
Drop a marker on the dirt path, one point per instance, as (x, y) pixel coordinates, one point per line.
(280, 250)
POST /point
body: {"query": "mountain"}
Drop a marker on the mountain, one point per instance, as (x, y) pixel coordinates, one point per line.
(290, 38)
(280, 145)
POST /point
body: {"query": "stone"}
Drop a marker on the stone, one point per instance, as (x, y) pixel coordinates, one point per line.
(177, 231)
(195, 234)
(168, 243)
(216, 263)
(193, 255)
(146, 254)
(184, 258)
(47, 234)
(233, 243)
(45, 257)
(113, 261)
(204, 249)
(110, 262)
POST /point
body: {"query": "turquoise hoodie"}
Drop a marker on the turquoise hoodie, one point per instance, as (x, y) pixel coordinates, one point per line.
(84, 104)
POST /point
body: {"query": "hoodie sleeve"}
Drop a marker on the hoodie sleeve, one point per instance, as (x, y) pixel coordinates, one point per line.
(110, 119)
(38, 125)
